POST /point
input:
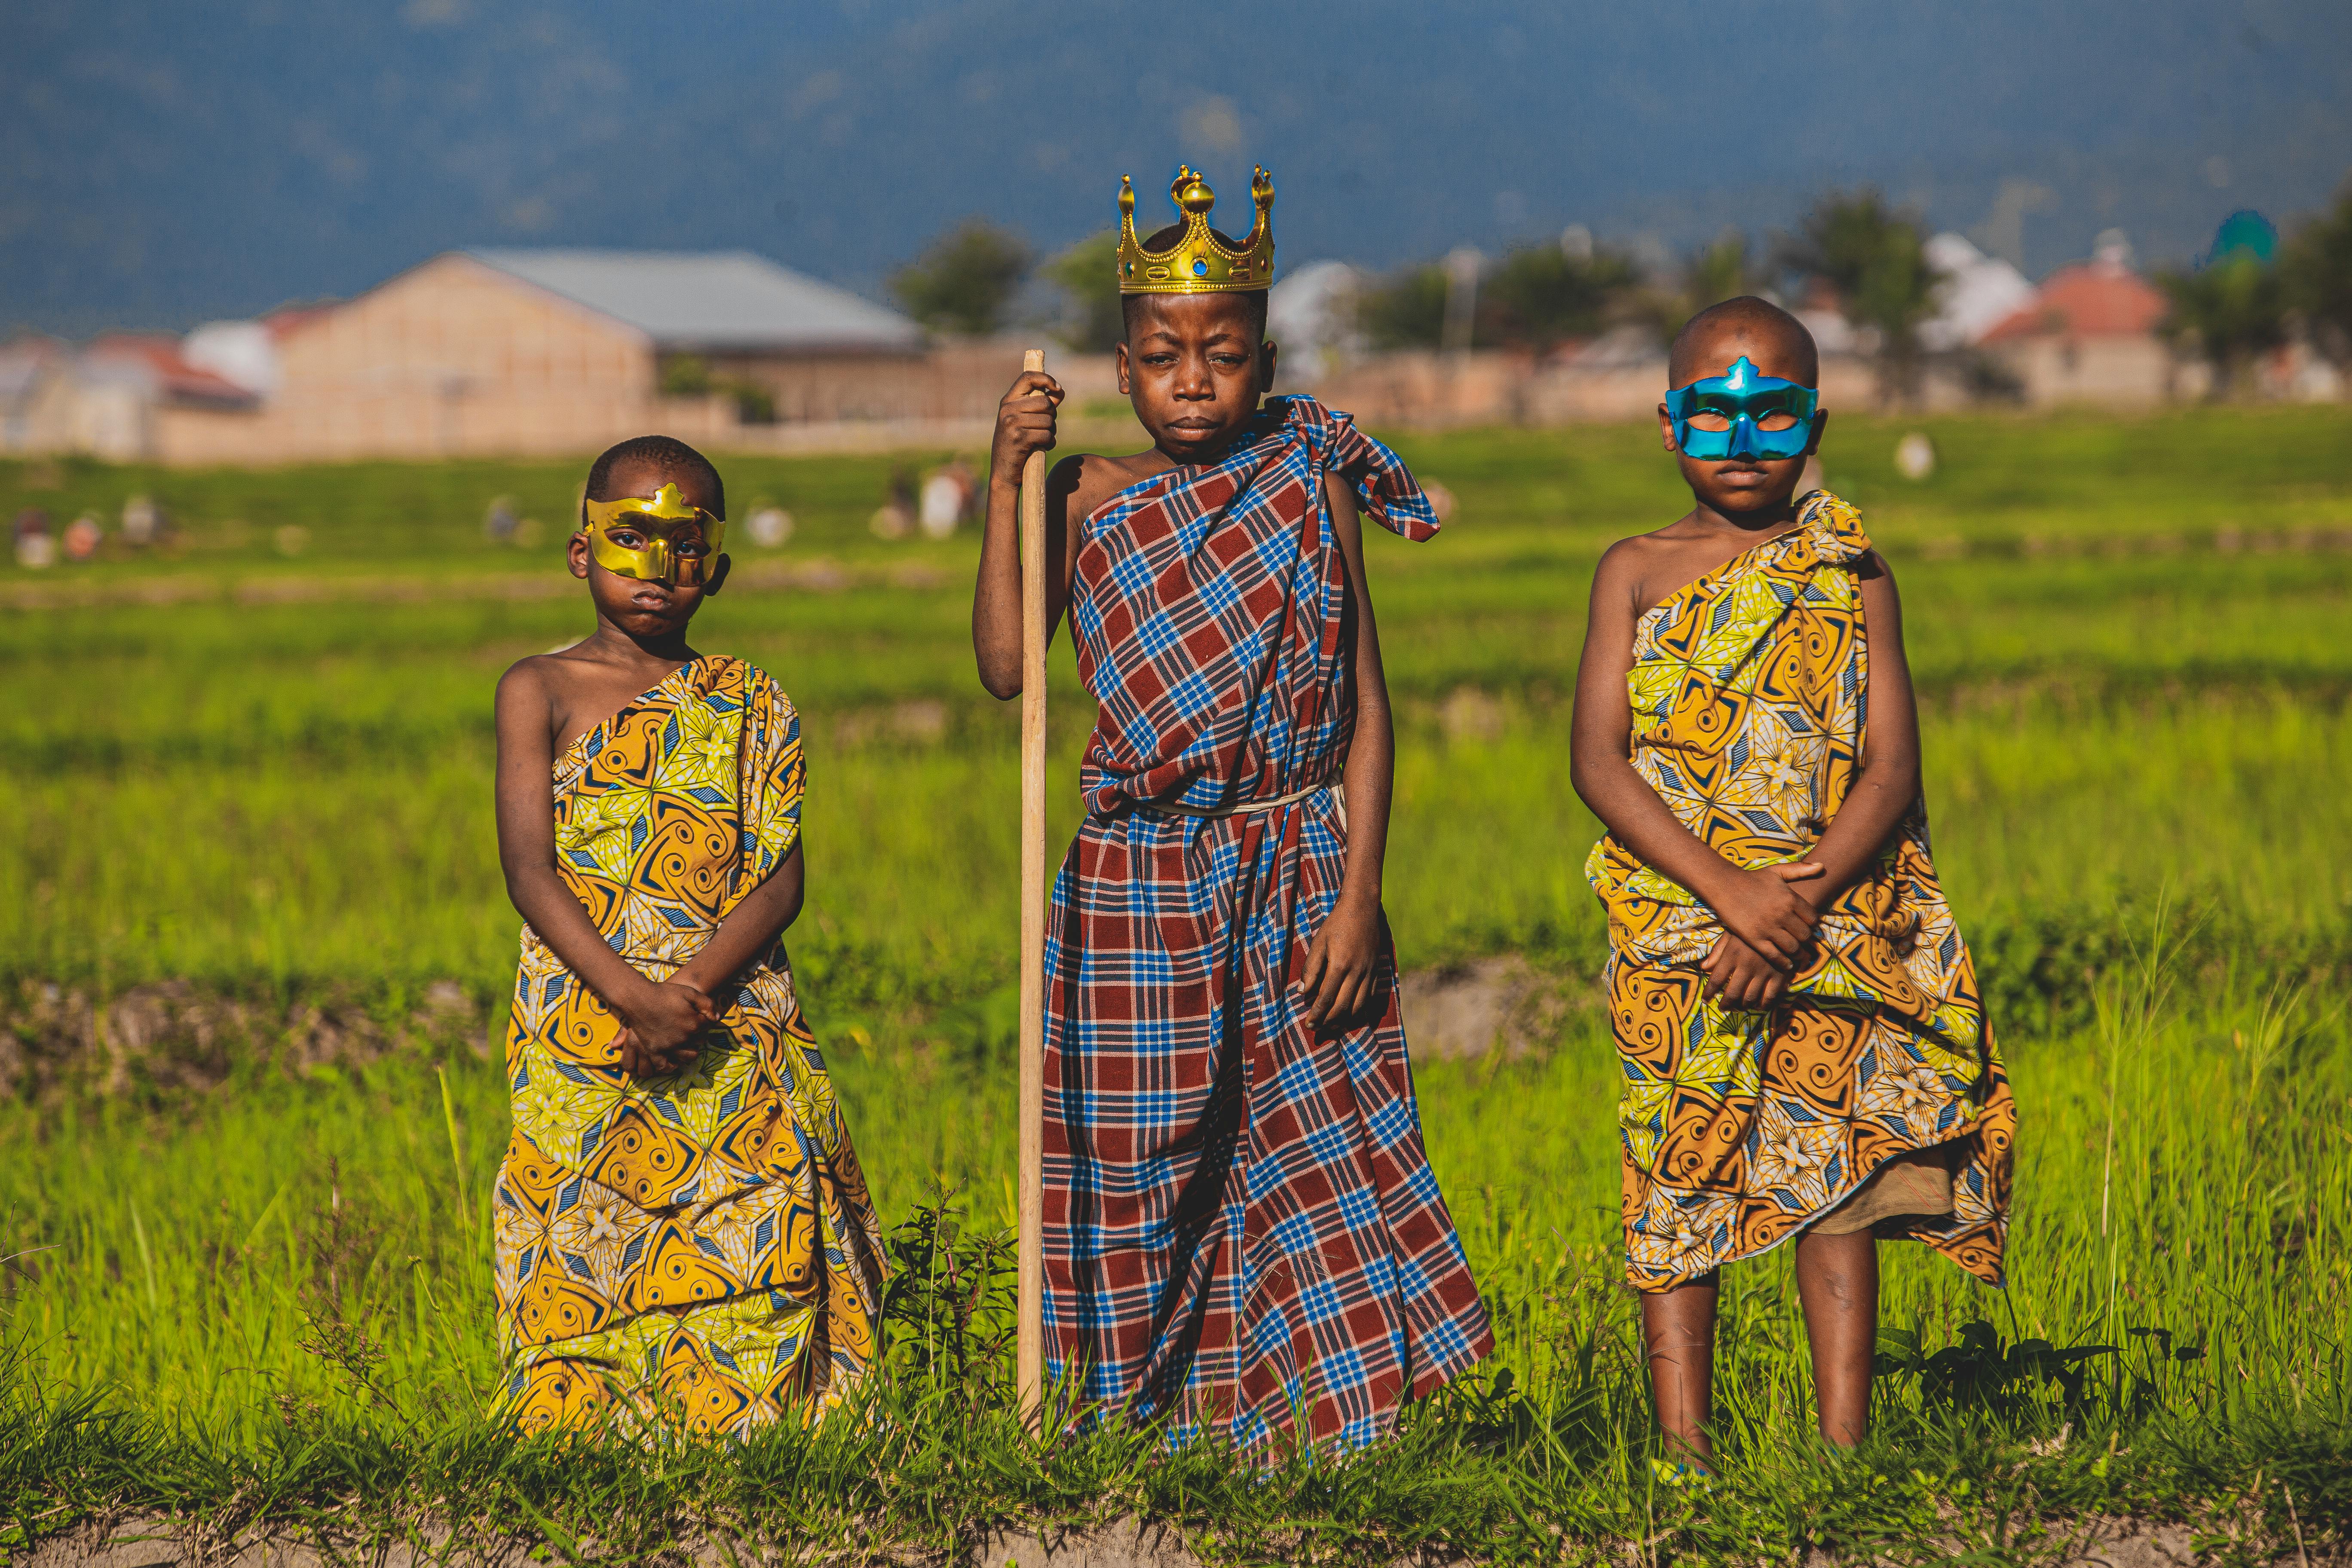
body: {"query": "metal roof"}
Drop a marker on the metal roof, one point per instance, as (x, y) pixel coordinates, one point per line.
(712, 300)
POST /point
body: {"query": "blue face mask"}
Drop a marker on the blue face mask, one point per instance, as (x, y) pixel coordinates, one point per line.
(1744, 413)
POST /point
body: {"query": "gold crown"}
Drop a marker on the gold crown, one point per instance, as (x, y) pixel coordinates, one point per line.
(1198, 263)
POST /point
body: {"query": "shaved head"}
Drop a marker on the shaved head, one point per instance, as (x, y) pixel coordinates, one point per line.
(663, 454)
(1775, 340)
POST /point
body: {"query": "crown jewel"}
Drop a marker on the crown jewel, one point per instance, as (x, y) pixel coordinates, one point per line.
(1198, 263)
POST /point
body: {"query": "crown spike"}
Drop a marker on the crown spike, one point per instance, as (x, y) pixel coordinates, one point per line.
(1198, 262)
(1262, 192)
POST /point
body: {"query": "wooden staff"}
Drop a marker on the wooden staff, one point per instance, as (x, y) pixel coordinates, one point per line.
(1030, 1337)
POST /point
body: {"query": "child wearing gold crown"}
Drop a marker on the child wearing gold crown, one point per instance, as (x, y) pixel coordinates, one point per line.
(1243, 1234)
(682, 1231)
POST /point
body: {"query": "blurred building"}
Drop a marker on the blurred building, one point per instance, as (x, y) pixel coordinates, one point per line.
(1618, 376)
(1974, 294)
(735, 320)
(520, 352)
(510, 353)
(25, 366)
(499, 352)
(107, 399)
(1310, 312)
(1822, 311)
(1621, 375)
(2089, 335)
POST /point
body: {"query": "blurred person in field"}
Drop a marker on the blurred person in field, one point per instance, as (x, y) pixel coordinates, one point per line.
(683, 1233)
(82, 537)
(1806, 1055)
(895, 517)
(1243, 1234)
(36, 547)
(947, 498)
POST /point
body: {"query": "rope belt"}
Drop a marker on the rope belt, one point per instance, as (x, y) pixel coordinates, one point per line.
(1248, 809)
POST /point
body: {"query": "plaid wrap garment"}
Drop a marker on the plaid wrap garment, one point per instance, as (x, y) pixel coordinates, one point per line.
(1241, 1225)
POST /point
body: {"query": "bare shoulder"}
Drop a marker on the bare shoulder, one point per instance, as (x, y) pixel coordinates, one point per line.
(1621, 565)
(1658, 544)
(530, 695)
(1078, 485)
(554, 682)
(1089, 478)
(535, 675)
(1623, 555)
(1083, 476)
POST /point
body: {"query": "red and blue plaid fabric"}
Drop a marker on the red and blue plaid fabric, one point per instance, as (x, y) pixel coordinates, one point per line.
(1243, 1234)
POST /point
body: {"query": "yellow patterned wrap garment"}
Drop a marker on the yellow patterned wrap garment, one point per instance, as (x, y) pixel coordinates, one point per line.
(699, 1250)
(1740, 1127)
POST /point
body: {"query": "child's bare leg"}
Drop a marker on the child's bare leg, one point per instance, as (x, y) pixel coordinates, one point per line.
(1837, 1280)
(1678, 1330)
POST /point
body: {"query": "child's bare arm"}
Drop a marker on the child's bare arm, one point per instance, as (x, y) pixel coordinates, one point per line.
(1760, 907)
(1887, 782)
(658, 1019)
(1025, 424)
(1340, 973)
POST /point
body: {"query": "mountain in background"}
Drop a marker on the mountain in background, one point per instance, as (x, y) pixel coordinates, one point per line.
(160, 165)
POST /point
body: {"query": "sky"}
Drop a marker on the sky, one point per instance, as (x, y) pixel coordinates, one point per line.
(164, 165)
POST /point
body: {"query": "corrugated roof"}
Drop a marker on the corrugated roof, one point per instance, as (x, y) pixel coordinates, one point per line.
(712, 300)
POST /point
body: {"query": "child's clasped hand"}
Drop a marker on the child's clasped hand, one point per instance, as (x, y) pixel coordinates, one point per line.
(659, 1024)
(1767, 925)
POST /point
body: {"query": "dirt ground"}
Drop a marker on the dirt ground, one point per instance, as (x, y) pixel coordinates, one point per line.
(156, 1542)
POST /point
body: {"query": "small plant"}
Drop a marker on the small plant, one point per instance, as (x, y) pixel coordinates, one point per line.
(947, 1313)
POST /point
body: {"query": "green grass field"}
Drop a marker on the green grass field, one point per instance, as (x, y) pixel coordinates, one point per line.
(267, 776)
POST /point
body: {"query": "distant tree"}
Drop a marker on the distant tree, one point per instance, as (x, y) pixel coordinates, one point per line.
(1874, 256)
(685, 376)
(2230, 311)
(1708, 276)
(2316, 269)
(690, 375)
(964, 280)
(1720, 272)
(754, 404)
(1088, 274)
(1406, 309)
(1542, 295)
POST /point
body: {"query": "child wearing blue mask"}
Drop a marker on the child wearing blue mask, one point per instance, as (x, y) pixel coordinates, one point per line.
(1806, 1057)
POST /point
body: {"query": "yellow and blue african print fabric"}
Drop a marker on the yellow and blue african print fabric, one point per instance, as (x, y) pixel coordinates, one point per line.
(698, 1248)
(1739, 1128)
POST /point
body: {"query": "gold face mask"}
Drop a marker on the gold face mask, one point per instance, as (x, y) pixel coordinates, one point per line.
(658, 540)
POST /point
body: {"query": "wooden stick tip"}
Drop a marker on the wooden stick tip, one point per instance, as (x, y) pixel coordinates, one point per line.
(1034, 358)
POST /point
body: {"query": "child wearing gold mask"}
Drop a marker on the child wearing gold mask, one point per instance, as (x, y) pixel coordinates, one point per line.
(683, 1233)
